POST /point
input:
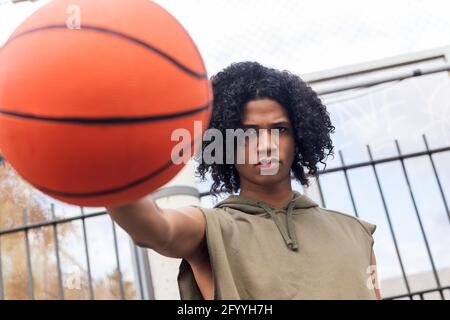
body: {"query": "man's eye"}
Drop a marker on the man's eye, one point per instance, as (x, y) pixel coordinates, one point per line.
(282, 129)
(251, 131)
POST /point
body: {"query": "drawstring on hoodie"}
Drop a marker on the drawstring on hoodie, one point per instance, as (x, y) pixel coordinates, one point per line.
(289, 236)
(260, 208)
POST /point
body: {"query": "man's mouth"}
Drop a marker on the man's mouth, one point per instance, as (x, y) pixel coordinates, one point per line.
(268, 163)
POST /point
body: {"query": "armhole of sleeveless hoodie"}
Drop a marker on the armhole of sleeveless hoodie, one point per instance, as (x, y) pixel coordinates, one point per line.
(209, 220)
(369, 228)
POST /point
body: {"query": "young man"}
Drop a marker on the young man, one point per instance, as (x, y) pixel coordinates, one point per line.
(269, 241)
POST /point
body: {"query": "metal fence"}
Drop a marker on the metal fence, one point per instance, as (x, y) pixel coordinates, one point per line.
(373, 164)
(401, 158)
(140, 260)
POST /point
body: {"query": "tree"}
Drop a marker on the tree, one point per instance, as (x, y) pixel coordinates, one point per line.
(19, 202)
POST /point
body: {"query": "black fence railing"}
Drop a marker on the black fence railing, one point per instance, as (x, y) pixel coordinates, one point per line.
(400, 158)
(144, 290)
(143, 276)
(421, 295)
(145, 287)
(373, 163)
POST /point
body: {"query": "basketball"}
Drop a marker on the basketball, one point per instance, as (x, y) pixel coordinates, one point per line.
(90, 93)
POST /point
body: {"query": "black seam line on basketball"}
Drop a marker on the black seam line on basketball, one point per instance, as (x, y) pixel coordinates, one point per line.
(114, 190)
(108, 191)
(106, 121)
(120, 35)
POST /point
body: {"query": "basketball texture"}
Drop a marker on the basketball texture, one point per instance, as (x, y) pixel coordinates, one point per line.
(87, 112)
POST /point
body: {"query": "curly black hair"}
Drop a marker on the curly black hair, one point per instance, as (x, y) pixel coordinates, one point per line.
(242, 82)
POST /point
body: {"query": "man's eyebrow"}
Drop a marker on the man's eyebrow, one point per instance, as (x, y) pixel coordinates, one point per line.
(280, 122)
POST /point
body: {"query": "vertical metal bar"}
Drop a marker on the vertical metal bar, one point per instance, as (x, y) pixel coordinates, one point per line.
(416, 210)
(86, 252)
(138, 269)
(146, 275)
(119, 271)
(347, 181)
(441, 190)
(2, 295)
(27, 248)
(322, 199)
(421, 296)
(141, 266)
(58, 260)
(391, 229)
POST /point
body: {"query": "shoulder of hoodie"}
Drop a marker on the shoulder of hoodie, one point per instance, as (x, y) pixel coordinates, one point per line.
(223, 215)
(227, 213)
(368, 227)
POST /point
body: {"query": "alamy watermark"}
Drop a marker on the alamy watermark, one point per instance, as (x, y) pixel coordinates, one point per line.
(73, 22)
(232, 147)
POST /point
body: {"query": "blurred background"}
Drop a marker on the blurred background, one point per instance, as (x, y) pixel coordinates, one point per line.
(382, 70)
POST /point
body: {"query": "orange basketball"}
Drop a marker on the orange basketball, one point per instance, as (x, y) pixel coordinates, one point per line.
(87, 110)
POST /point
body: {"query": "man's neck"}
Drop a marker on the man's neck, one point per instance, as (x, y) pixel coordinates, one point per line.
(277, 196)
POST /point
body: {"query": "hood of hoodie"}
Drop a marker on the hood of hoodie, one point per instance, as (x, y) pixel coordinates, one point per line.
(261, 208)
(253, 206)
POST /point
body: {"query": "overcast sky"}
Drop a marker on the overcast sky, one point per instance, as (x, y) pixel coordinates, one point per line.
(300, 35)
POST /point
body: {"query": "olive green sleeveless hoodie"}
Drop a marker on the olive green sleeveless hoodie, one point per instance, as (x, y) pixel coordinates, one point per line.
(302, 251)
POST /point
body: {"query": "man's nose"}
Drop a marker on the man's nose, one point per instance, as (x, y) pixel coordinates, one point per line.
(268, 141)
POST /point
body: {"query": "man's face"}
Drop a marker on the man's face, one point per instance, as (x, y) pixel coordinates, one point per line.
(266, 114)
